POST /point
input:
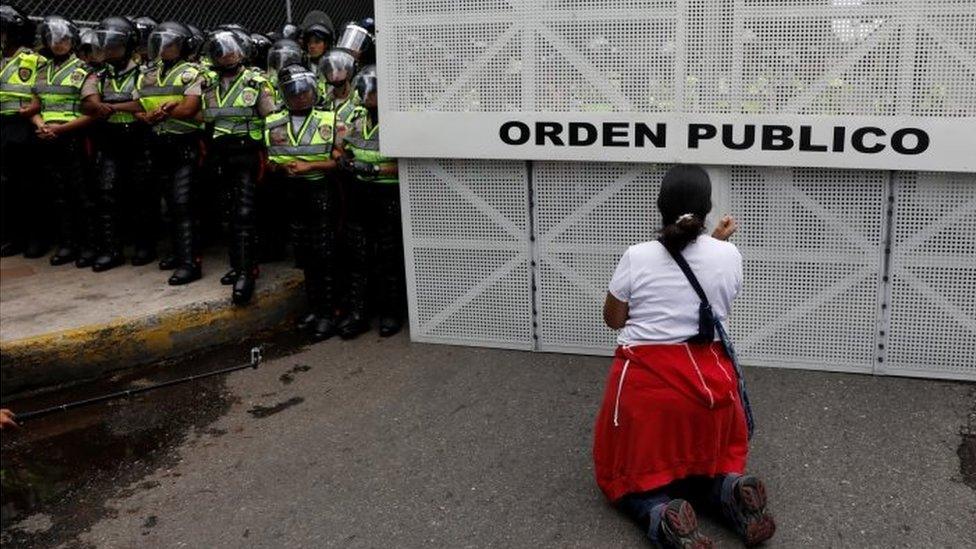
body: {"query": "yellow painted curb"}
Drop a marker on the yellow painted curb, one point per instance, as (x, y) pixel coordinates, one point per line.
(89, 351)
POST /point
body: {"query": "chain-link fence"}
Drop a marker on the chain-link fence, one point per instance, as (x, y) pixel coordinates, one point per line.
(257, 15)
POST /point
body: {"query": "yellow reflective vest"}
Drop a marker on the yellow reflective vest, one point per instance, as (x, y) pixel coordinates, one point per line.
(312, 142)
(59, 88)
(18, 75)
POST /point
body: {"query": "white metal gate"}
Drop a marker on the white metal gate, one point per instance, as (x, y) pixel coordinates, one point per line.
(850, 269)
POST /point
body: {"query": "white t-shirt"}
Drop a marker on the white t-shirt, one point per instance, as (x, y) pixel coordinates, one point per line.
(663, 305)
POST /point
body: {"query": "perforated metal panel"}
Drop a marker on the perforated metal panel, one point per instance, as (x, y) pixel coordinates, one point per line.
(585, 216)
(812, 247)
(466, 244)
(932, 304)
(869, 57)
(811, 242)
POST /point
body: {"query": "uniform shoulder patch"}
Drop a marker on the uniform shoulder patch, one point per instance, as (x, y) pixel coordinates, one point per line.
(325, 130)
(25, 74)
(188, 75)
(249, 96)
(78, 77)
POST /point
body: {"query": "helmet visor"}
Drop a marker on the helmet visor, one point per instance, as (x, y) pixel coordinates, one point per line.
(299, 90)
(56, 36)
(165, 45)
(367, 88)
(281, 57)
(225, 50)
(354, 38)
(337, 67)
(110, 44)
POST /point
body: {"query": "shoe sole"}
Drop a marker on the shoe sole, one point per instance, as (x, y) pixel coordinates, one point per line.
(682, 522)
(759, 526)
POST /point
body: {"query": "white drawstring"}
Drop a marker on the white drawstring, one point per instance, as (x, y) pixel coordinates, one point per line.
(719, 362)
(620, 386)
(711, 399)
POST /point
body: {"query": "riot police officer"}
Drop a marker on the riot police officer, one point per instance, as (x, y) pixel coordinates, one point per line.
(122, 166)
(318, 34)
(373, 233)
(22, 229)
(59, 125)
(169, 92)
(235, 105)
(337, 68)
(300, 142)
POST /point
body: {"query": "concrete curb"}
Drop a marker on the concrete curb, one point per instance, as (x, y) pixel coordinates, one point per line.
(90, 351)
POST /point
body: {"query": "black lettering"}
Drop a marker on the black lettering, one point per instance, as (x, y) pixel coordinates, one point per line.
(748, 137)
(839, 133)
(857, 140)
(574, 134)
(550, 130)
(697, 132)
(657, 136)
(505, 132)
(921, 141)
(611, 133)
(805, 138)
(777, 138)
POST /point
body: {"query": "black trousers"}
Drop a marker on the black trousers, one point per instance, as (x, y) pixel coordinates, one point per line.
(126, 196)
(314, 208)
(63, 161)
(237, 161)
(21, 192)
(374, 247)
(175, 161)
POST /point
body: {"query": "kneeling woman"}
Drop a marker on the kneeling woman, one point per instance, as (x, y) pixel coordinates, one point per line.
(673, 428)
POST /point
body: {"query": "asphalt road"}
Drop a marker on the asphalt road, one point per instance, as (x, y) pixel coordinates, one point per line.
(385, 443)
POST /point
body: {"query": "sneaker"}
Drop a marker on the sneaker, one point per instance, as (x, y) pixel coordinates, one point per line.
(744, 507)
(679, 527)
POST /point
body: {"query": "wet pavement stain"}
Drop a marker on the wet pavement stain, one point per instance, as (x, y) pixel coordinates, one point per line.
(289, 376)
(68, 465)
(265, 411)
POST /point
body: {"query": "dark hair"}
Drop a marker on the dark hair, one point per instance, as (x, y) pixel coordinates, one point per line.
(684, 201)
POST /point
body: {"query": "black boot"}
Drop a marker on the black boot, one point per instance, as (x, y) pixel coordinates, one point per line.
(105, 262)
(85, 259)
(230, 277)
(9, 249)
(307, 322)
(243, 289)
(63, 256)
(167, 263)
(325, 327)
(353, 325)
(390, 324)
(185, 274)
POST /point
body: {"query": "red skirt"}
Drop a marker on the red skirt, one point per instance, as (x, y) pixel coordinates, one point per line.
(669, 412)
